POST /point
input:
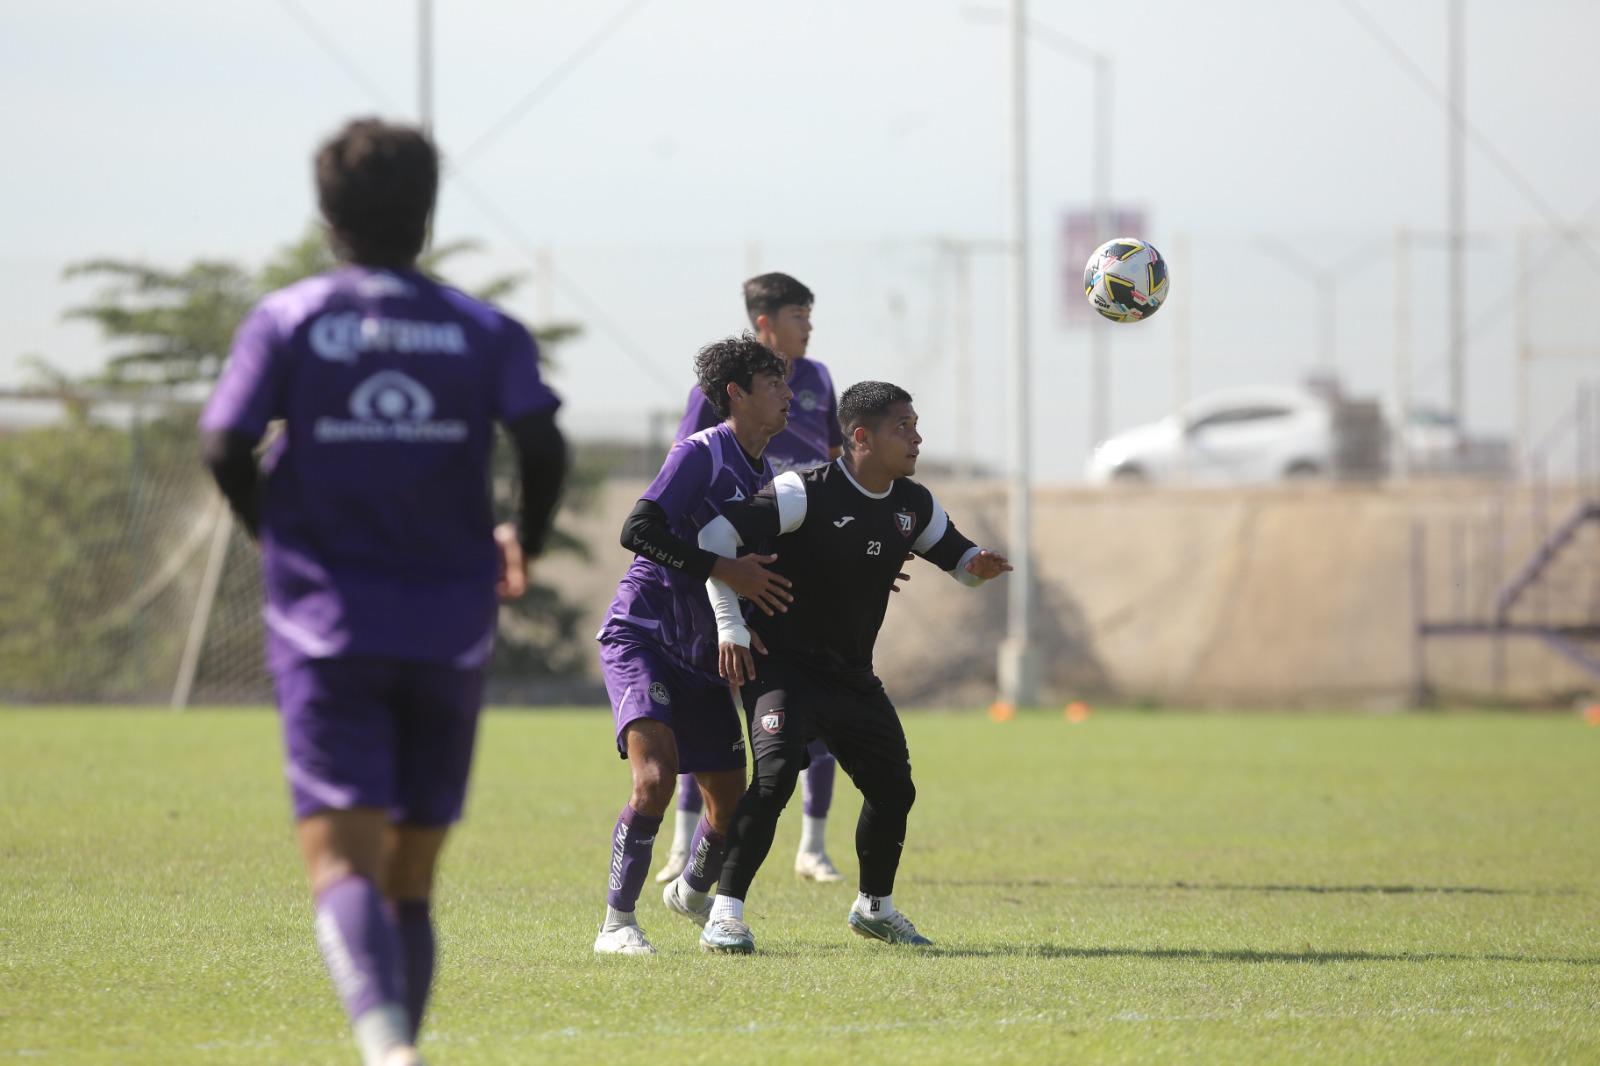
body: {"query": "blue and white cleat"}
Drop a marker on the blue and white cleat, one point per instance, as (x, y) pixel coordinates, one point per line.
(677, 898)
(893, 929)
(727, 936)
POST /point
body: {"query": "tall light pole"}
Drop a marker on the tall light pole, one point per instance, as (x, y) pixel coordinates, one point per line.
(425, 66)
(1457, 210)
(1018, 662)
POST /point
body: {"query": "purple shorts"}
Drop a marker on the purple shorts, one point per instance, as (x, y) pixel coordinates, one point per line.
(643, 682)
(378, 733)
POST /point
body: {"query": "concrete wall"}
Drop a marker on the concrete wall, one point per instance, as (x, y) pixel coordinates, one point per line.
(1299, 595)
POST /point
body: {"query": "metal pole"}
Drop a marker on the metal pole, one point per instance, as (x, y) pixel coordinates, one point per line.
(1524, 360)
(200, 621)
(1018, 674)
(966, 463)
(1457, 208)
(1181, 350)
(425, 66)
(1402, 357)
(1100, 194)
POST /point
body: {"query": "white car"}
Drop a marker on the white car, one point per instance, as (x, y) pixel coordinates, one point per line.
(1233, 436)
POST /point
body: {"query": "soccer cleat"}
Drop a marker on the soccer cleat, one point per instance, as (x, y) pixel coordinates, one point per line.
(894, 929)
(402, 1056)
(727, 936)
(676, 861)
(673, 896)
(622, 940)
(816, 866)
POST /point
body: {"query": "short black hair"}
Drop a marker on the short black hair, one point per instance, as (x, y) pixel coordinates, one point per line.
(865, 403)
(765, 293)
(736, 359)
(376, 184)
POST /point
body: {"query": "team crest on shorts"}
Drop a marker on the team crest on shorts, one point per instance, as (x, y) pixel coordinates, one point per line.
(906, 521)
(658, 693)
(772, 722)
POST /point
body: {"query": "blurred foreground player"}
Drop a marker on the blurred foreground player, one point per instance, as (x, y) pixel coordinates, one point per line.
(658, 644)
(779, 309)
(380, 556)
(839, 534)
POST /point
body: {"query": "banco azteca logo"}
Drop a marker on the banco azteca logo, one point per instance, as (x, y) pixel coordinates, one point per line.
(390, 407)
(391, 395)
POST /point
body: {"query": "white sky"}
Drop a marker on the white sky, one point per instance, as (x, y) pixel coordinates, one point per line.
(834, 140)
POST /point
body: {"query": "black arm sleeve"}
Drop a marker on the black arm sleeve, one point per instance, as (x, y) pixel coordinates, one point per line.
(648, 533)
(542, 466)
(756, 519)
(232, 461)
(947, 551)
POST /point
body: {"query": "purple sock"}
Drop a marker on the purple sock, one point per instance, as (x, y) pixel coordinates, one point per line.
(819, 783)
(631, 843)
(689, 794)
(705, 857)
(359, 945)
(415, 923)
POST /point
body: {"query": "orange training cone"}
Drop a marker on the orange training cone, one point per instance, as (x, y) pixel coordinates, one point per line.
(1001, 711)
(1077, 711)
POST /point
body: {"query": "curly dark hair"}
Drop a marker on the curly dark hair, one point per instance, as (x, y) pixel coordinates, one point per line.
(376, 183)
(865, 403)
(736, 359)
(765, 293)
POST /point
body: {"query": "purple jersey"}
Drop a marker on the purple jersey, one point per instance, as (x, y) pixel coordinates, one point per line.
(813, 419)
(376, 520)
(703, 475)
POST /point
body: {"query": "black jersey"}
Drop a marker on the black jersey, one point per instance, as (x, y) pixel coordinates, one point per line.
(841, 547)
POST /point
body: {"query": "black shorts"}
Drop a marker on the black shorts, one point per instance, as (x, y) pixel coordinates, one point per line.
(791, 703)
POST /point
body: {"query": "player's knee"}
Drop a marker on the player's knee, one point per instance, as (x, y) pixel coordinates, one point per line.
(652, 788)
(893, 794)
(775, 782)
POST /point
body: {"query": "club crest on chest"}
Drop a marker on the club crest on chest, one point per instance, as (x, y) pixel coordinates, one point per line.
(905, 521)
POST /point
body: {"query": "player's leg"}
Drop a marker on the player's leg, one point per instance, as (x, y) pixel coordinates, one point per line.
(435, 734)
(338, 732)
(683, 828)
(777, 746)
(640, 683)
(865, 733)
(811, 862)
(710, 735)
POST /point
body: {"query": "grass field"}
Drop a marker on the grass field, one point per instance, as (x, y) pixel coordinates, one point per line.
(1139, 887)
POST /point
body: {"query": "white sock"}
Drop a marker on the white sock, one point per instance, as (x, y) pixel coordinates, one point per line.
(726, 907)
(683, 830)
(812, 831)
(689, 895)
(381, 1030)
(616, 919)
(875, 906)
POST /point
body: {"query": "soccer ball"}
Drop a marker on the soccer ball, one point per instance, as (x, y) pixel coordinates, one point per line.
(1126, 279)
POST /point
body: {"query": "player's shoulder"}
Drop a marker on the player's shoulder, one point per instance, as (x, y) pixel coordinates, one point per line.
(817, 371)
(910, 491)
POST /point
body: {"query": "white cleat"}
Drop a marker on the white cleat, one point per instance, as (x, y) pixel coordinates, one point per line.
(676, 861)
(816, 866)
(622, 940)
(676, 897)
(402, 1056)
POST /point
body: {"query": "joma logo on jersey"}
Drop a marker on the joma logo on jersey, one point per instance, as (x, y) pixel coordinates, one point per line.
(905, 521)
(772, 722)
